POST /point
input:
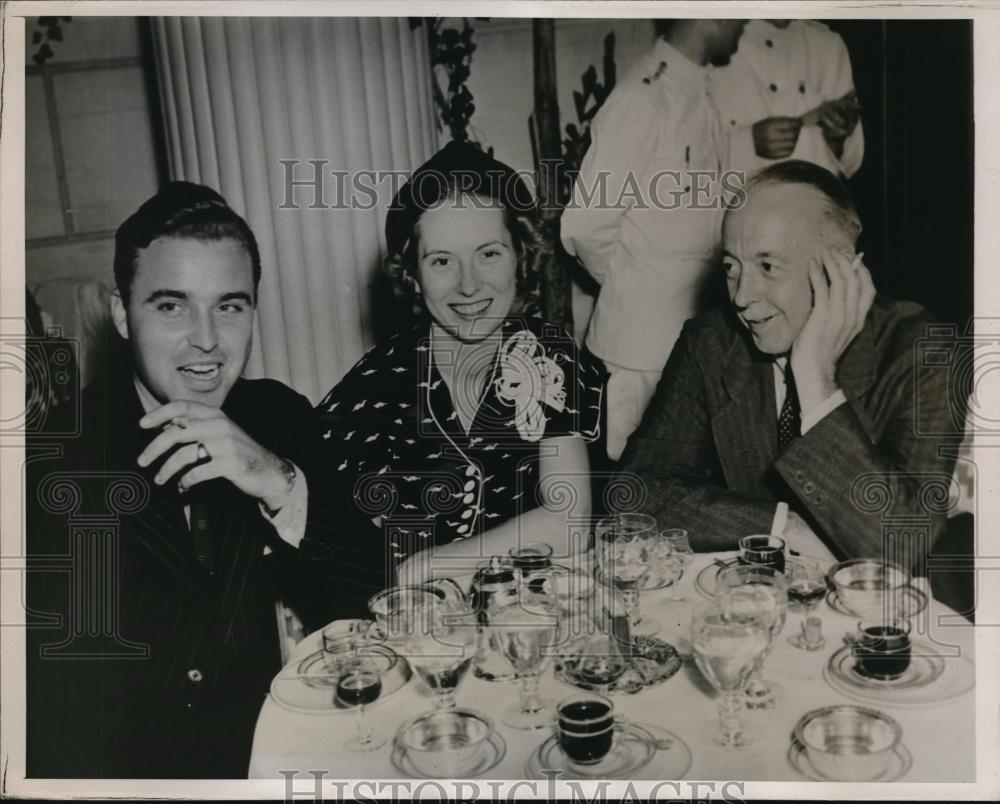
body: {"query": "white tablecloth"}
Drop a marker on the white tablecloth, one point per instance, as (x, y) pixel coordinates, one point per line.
(941, 738)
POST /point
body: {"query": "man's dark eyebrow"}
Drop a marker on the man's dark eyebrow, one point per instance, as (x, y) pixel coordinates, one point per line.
(238, 295)
(156, 295)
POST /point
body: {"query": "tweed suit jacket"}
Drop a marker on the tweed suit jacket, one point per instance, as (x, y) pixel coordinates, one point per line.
(140, 663)
(707, 454)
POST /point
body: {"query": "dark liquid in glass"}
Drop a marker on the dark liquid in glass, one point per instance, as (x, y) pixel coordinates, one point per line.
(759, 552)
(806, 595)
(355, 689)
(586, 742)
(883, 652)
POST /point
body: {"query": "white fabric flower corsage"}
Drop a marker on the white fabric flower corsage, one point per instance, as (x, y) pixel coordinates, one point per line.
(527, 379)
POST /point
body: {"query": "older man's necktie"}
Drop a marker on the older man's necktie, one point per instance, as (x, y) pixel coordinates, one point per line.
(790, 419)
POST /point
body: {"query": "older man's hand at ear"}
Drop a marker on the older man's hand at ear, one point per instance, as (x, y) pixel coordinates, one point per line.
(842, 296)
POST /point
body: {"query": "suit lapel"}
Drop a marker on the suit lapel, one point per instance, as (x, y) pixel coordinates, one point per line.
(745, 427)
(856, 373)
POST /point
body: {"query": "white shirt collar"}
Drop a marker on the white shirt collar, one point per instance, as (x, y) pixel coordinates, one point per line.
(146, 398)
(679, 66)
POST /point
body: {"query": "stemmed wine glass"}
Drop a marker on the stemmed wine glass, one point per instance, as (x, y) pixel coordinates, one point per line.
(727, 646)
(523, 631)
(756, 589)
(360, 683)
(443, 655)
(681, 554)
(626, 549)
(806, 588)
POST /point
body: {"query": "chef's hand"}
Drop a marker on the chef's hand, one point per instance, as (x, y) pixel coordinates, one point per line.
(206, 444)
(775, 137)
(839, 118)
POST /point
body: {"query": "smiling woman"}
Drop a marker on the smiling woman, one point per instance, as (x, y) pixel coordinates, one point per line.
(471, 424)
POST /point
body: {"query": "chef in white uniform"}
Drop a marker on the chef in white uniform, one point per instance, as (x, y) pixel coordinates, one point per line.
(784, 70)
(644, 218)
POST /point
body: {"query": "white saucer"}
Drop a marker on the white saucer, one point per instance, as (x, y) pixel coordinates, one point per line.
(705, 581)
(634, 748)
(496, 750)
(899, 764)
(308, 687)
(929, 680)
(913, 602)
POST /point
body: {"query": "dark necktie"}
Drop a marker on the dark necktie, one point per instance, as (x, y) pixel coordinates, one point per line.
(790, 420)
(201, 527)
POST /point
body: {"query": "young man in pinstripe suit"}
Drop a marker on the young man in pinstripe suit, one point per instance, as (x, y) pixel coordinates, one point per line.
(188, 499)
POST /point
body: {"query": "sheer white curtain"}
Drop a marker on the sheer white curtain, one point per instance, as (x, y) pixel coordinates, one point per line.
(247, 104)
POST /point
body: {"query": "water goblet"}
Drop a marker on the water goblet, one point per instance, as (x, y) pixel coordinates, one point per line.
(756, 589)
(524, 631)
(443, 655)
(360, 683)
(806, 588)
(403, 611)
(727, 646)
(681, 554)
(626, 547)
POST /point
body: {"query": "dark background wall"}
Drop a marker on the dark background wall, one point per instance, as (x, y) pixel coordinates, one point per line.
(915, 187)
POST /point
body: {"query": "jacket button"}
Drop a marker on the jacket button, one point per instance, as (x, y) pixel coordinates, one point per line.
(769, 43)
(808, 487)
(818, 499)
(773, 87)
(195, 675)
(800, 475)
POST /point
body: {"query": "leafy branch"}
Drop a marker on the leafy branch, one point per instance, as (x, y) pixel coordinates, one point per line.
(451, 50)
(50, 31)
(587, 102)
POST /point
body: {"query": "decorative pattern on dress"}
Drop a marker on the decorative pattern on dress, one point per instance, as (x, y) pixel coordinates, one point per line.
(399, 456)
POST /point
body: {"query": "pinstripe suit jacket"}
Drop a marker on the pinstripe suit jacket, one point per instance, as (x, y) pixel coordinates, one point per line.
(151, 666)
(707, 451)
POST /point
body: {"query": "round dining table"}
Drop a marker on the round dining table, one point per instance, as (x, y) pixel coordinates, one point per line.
(938, 721)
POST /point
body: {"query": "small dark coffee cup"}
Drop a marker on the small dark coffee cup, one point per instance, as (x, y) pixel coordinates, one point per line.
(586, 728)
(764, 550)
(882, 649)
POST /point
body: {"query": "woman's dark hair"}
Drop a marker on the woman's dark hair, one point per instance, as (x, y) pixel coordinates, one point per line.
(180, 209)
(532, 247)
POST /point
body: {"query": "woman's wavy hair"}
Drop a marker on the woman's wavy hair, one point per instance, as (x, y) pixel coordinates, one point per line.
(532, 246)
